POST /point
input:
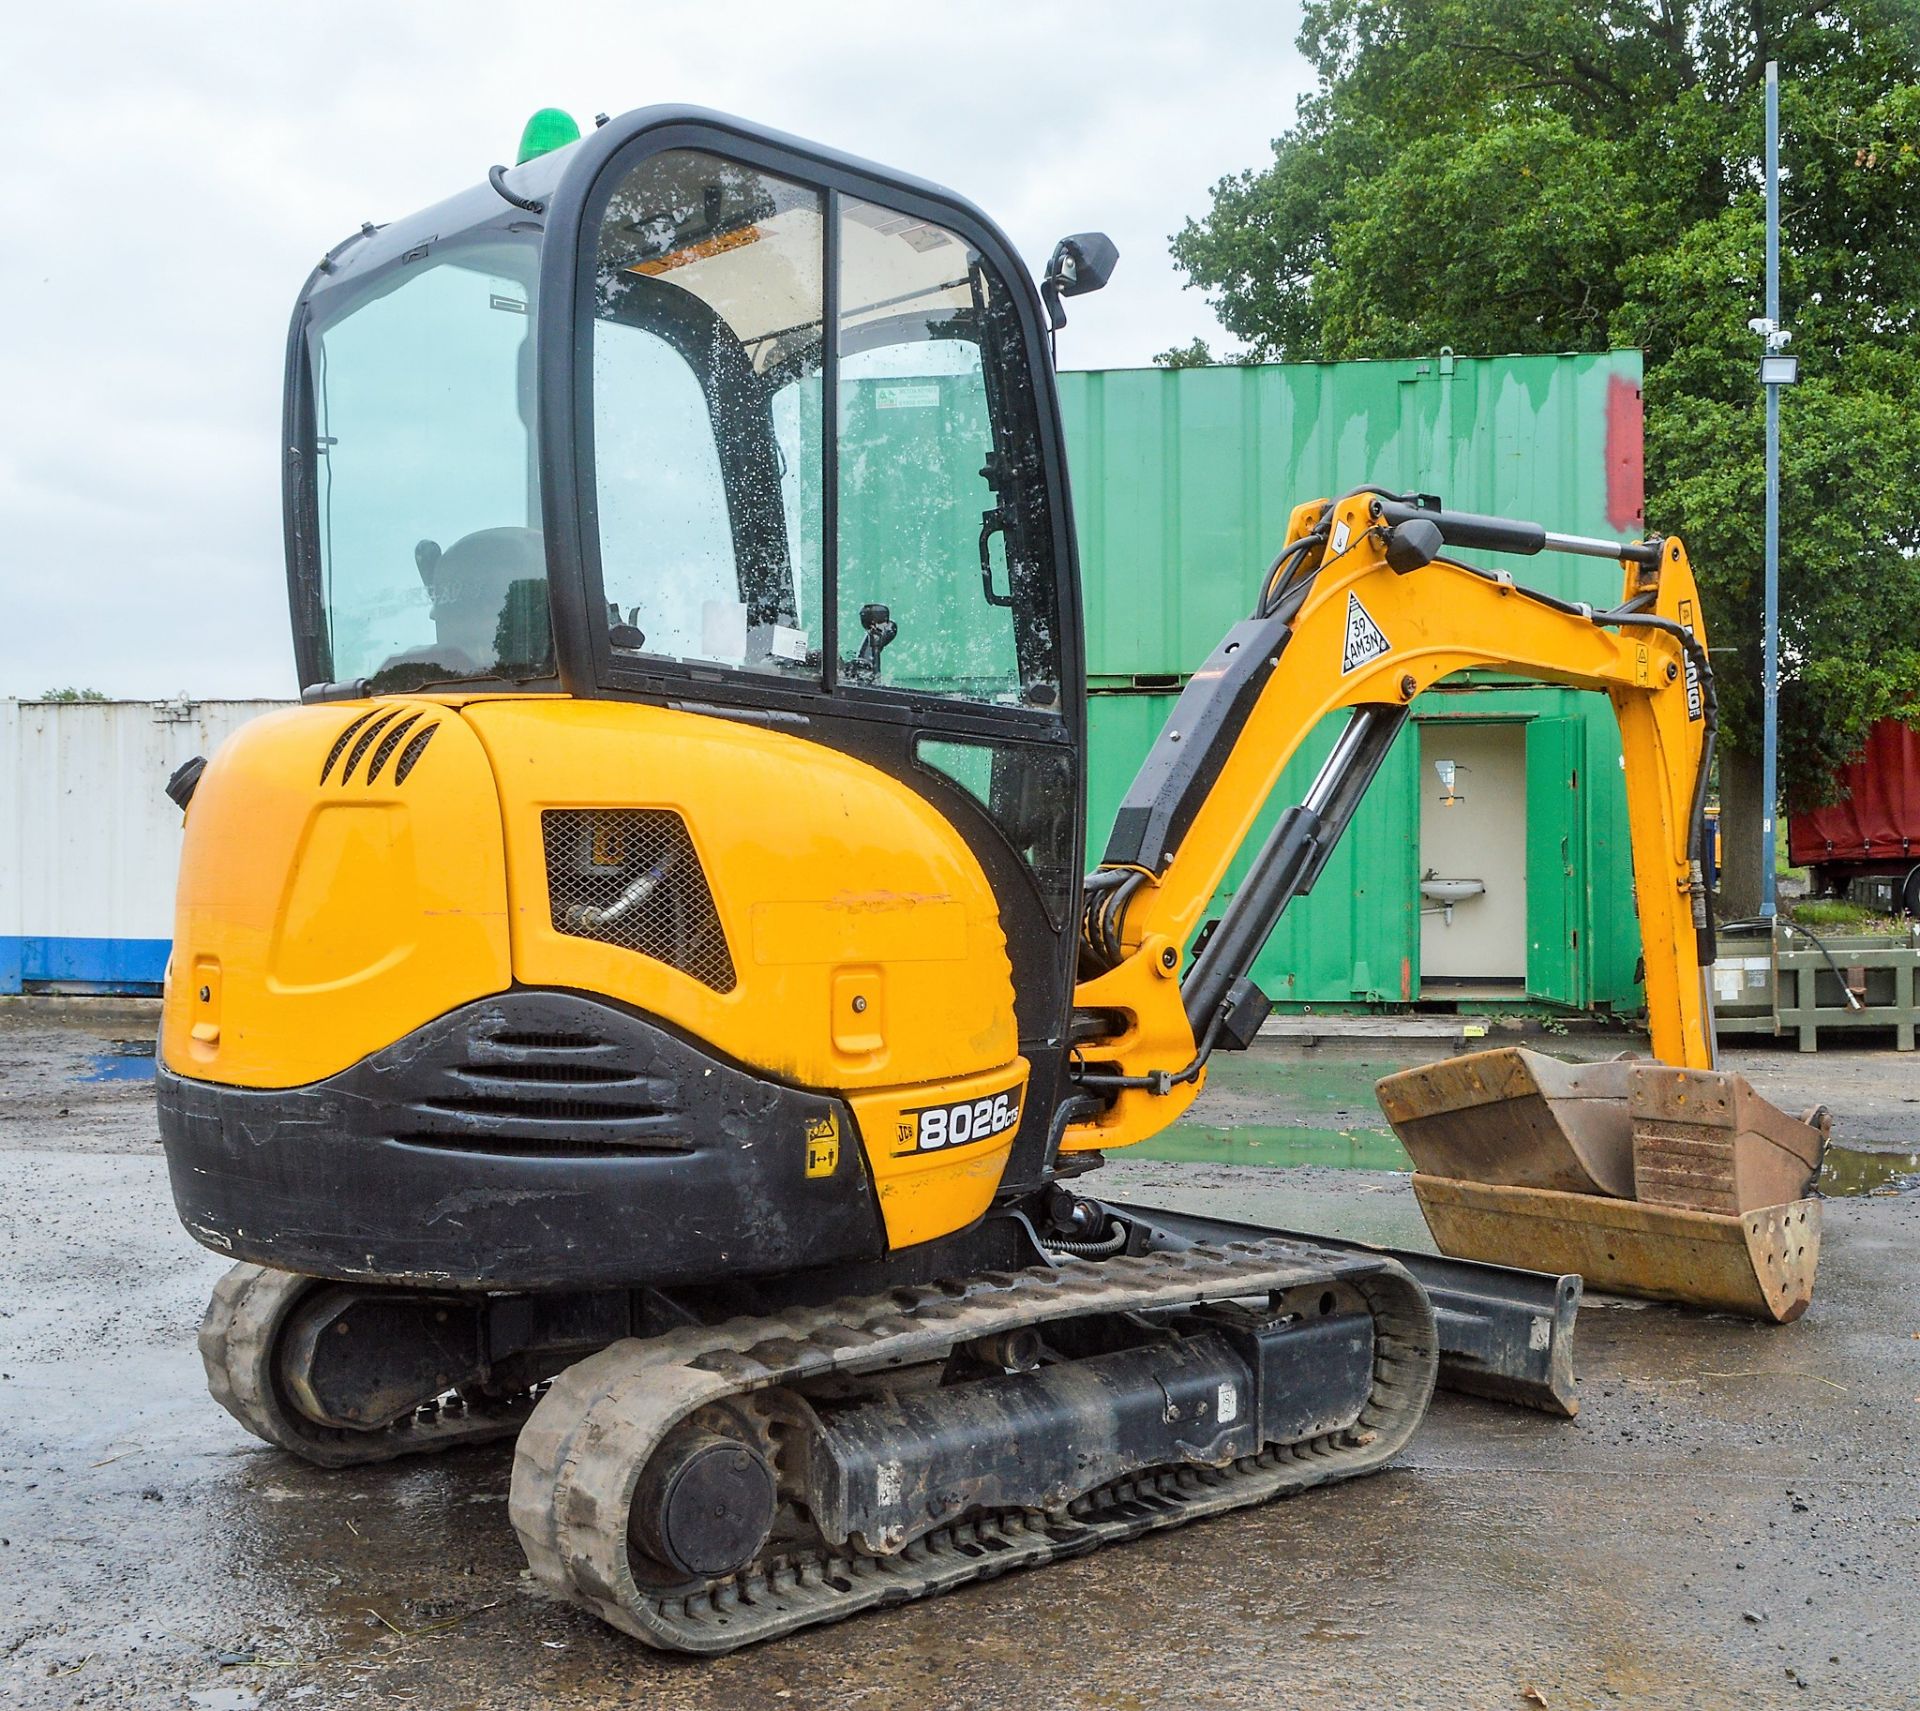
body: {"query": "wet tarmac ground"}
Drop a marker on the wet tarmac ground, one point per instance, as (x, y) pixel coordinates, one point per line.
(1734, 1518)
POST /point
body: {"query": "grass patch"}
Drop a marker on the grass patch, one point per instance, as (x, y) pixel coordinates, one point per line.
(1782, 868)
(1832, 912)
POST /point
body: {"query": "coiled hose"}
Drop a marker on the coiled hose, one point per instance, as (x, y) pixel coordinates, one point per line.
(1105, 1248)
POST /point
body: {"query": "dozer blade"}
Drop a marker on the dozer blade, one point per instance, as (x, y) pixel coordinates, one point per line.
(1505, 1334)
(1674, 1184)
(1759, 1264)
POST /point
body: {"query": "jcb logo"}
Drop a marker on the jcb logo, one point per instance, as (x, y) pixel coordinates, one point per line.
(937, 1127)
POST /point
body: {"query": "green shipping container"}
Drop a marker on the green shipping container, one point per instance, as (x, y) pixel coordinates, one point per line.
(1183, 481)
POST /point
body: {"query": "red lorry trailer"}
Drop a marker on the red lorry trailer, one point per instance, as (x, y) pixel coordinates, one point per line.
(1871, 834)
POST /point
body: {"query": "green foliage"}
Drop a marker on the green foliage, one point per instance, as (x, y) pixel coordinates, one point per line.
(1830, 912)
(1195, 355)
(1527, 175)
(73, 695)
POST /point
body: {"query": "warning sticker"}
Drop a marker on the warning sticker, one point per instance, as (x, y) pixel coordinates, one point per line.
(823, 1145)
(1365, 642)
(923, 396)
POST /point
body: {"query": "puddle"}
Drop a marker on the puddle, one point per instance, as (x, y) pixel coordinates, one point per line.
(1851, 1170)
(1366, 1143)
(124, 1060)
(1276, 1145)
(1329, 1116)
(1328, 1079)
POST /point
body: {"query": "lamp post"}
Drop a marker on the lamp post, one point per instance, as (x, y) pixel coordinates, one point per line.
(1777, 369)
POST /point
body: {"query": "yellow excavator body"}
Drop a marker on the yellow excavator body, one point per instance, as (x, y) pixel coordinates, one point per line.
(650, 1002)
(356, 870)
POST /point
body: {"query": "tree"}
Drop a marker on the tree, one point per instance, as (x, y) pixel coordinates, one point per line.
(1528, 175)
(1195, 355)
(73, 695)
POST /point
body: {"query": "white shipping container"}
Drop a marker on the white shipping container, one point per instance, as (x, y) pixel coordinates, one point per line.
(89, 842)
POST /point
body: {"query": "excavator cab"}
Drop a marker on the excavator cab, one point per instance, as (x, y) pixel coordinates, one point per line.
(788, 457)
(677, 529)
(645, 1001)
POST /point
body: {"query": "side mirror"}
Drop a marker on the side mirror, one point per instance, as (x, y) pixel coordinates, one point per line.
(1081, 263)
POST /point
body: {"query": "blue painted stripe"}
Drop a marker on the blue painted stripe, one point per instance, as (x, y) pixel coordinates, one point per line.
(99, 965)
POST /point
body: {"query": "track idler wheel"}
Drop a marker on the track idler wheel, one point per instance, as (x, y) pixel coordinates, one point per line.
(257, 1342)
(704, 1507)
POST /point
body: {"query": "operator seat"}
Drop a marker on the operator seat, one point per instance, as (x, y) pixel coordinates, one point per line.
(489, 601)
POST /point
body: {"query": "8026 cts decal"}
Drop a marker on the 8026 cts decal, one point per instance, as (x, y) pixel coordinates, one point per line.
(936, 1127)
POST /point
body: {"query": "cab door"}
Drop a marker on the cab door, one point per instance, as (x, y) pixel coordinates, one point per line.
(952, 588)
(847, 515)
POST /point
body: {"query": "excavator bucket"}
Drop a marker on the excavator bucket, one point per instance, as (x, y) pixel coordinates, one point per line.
(1517, 1118)
(1674, 1184)
(1758, 1264)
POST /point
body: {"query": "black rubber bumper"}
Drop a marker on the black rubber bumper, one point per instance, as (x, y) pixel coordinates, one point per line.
(536, 1140)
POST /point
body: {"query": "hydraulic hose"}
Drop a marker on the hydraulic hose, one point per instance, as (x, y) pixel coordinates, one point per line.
(1105, 1248)
(1160, 1081)
(1763, 923)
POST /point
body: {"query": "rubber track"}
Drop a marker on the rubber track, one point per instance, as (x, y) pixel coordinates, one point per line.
(581, 1454)
(249, 1306)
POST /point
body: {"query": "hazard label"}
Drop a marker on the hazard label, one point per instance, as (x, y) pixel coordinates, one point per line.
(1365, 641)
(823, 1145)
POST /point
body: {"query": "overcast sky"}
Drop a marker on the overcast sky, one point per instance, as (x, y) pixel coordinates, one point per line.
(185, 164)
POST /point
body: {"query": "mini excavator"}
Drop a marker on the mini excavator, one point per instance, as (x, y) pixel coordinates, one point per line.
(646, 1003)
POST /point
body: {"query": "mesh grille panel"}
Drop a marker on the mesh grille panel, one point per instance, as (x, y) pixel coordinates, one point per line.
(629, 877)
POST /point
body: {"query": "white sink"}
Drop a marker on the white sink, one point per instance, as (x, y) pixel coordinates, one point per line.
(1452, 891)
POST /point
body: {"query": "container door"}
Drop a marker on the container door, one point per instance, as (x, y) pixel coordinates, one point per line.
(1556, 848)
(1474, 860)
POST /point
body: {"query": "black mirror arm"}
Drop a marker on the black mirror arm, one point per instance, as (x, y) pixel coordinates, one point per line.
(878, 622)
(1050, 296)
(1081, 263)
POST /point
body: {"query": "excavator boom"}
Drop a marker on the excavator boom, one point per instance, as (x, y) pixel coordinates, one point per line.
(1667, 1179)
(1348, 623)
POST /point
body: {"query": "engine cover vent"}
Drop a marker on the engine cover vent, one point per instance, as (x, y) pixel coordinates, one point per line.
(629, 877)
(375, 735)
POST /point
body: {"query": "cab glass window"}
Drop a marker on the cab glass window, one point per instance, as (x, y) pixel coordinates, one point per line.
(432, 568)
(946, 583)
(707, 429)
(1027, 790)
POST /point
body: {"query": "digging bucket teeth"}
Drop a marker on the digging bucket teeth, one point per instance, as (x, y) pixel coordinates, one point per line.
(1678, 1185)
